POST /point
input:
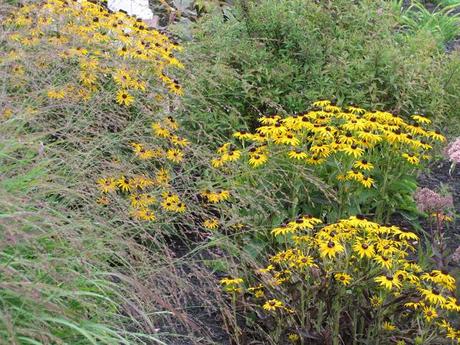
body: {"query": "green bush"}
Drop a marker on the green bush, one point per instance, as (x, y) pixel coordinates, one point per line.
(279, 56)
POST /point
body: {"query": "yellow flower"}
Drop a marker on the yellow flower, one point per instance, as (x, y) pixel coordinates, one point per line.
(56, 94)
(293, 337)
(421, 119)
(141, 200)
(387, 326)
(343, 278)
(231, 156)
(143, 214)
(436, 135)
(367, 182)
(107, 185)
(175, 155)
(162, 177)
(330, 248)
(376, 301)
(232, 285)
(353, 150)
(212, 223)
(124, 184)
(297, 154)
(433, 296)
(273, 304)
(411, 158)
(429, 313)
(231, 281)
(160, 131)
(364, 249)
(178, 141)
(388, 282)
(124, 98)
(440, 277)
(122, 78)
(257, 160)
(322, 103)
(363, 165)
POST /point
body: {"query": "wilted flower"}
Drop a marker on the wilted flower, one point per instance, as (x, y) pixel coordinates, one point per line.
(429, 201)
(453, 151)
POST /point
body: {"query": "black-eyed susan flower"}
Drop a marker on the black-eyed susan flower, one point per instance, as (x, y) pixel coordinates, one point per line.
(297, 154)
(124, 98)
(124, 184)
(55, 94)
(257, 159)
(436, 135)
(273, 305)
(376, 301)
(160, 131)
(232, 285)
(363, 164)
(353, 150)
(364, 249)
(388, 282)
(141, 200)
(411, 158)
(343, 278)
(421, 119)
(211, 223)
(330, 248)
(367, 181)
(293, 337)
(107, 185)
(433, 296)
(429, 313)
(175, 155)
(388, 326)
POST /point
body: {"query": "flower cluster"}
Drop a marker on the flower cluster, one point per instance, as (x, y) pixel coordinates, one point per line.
(106, 50)
(148, 194)
(352, 139)
(355, 266)
(453, 151)
(432, 202)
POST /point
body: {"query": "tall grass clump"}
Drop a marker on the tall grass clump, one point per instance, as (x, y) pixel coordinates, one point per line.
(81, 89)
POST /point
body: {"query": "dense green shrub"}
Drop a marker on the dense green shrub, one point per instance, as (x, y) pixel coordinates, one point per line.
(278, 56)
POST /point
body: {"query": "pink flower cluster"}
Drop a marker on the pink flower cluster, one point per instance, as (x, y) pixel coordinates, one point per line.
(430, 201)
(453, 151)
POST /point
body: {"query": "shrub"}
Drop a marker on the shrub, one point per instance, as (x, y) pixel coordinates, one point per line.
(279, 56)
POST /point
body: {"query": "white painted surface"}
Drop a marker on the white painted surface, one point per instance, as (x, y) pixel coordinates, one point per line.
(138, 8)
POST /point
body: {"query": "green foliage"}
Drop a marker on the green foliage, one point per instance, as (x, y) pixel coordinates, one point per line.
(443, 21)
(278, 56)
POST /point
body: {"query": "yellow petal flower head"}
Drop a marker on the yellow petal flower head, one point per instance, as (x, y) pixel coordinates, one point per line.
(107, 185)
(364, 249)
(411, 158)
(343, 278)
(330, 248)
(421, 119)
(273, 305)
(175, 155)
(363, 164)
(388, 282)
(212, 223)
(124, 98)
(256, 160)
(124, 184)
(429, 313)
